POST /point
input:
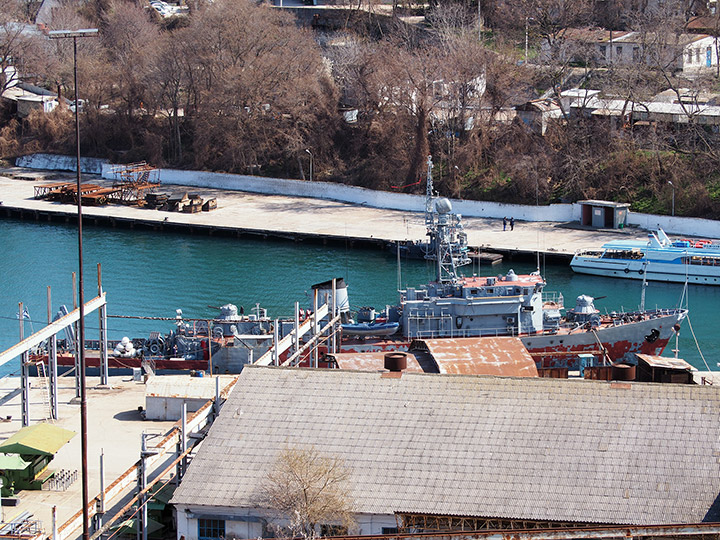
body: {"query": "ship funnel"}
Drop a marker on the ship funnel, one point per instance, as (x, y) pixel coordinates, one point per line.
(324, 291)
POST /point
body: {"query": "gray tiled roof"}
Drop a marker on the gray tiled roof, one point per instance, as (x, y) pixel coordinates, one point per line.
(544, 449)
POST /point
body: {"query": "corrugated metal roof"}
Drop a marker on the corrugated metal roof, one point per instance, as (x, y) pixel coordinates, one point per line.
(185, 386)
(526, 448)
(504, 356)
(37, 440)
(666, 363)
(372, 361)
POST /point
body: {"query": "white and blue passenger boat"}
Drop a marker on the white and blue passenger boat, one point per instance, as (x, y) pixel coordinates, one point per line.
(657, 259)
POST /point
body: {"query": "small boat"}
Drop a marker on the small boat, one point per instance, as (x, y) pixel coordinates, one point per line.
(370, 329)
(657, 259)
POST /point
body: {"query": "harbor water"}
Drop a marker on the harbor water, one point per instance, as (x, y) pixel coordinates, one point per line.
(151, 274)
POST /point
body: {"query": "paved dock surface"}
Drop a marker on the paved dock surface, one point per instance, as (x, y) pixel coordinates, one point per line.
(114, 427)
(298, 218)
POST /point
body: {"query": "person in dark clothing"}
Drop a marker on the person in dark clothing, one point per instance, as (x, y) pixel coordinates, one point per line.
(504, 223)
(512, 223)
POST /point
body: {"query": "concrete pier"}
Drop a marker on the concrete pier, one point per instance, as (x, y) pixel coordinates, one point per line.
(114, 427)
(243, 214)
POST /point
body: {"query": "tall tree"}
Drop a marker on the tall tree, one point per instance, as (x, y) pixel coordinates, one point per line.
(261, 91)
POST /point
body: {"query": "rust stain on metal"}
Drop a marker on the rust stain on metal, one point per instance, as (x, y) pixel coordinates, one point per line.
(621, 386)
(371, 361)
(663, 362)
(503, 356)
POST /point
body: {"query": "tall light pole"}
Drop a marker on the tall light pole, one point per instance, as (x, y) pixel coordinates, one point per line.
(527, 21)
(74, 35)
(311, 163)
(673, 196)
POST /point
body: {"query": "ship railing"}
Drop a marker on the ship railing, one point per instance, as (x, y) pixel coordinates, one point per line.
(553, 297)
(467, 333)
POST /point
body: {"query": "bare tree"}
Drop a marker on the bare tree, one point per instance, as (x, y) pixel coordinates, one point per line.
(168, 89)
(126, 34)
(23, 48)
(308, 494)
(260, 91)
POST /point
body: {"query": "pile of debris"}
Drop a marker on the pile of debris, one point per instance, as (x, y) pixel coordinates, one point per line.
(189, 203)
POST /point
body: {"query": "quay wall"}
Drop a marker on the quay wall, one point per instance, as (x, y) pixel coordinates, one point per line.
(357, 195)
(375, 199)
(416, 203)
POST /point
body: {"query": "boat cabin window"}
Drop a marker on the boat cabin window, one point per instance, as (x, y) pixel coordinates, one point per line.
(702, 261)
(632, 254)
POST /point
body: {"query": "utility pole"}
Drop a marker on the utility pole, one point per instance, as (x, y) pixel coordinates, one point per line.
(74, 35)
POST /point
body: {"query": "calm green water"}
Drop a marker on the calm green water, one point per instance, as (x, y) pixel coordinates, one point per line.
(152, 274)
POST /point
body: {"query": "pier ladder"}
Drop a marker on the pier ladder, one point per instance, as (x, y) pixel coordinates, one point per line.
(44, 387)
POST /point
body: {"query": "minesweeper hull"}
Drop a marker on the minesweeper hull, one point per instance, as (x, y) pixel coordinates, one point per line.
(648, 336)
(561, 349)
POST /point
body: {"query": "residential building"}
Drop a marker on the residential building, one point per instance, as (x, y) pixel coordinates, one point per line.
(691, 54)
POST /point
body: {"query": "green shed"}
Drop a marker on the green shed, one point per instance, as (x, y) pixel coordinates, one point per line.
(34, 446)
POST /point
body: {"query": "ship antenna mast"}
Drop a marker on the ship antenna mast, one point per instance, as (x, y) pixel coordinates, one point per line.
(429, 211)
(446, 233)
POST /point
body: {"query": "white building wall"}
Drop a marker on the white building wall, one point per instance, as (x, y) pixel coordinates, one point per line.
(170, 408)
(694, 57)
(249, 527)
(252, 525)
(374, 523)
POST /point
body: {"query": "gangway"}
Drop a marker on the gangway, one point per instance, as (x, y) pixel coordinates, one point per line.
(311, 324)
(280, 346)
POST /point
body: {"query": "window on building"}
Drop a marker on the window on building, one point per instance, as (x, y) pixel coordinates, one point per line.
(697, 55)
(636, 53)
(211, 529)
(618, 52)
(603, 52)
(689, 56)
(333, 530)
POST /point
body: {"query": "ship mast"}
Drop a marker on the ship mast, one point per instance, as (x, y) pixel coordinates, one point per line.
(429, 213)
(446, 234)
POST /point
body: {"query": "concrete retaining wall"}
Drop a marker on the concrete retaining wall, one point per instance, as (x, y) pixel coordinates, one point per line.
(356, 195)
(53, 162)
(377, 199)
(706, 228)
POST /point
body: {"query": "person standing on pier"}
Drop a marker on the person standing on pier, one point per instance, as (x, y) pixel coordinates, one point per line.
(504, 223)
(512, 223)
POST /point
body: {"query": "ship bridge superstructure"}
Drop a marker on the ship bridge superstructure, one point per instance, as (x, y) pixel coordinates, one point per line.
(474, 306)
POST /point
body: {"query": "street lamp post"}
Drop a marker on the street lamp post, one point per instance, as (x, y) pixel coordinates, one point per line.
(74, 35)
(527, 21)
(673, 196)
(311, 163)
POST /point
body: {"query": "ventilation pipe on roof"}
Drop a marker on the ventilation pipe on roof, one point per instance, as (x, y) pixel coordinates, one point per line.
(396, 361)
